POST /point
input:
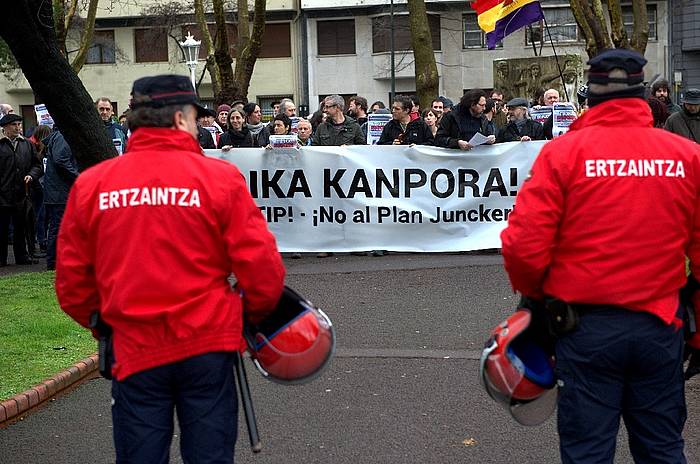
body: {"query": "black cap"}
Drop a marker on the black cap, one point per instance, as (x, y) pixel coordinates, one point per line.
(691, 97)
(9, 119)
(618, 58)
(165, 90)
(446, 102)
(517, 101)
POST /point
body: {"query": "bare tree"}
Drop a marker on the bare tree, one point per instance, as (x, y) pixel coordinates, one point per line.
(590, 17)
(53, 80)
(65, 15)
(427, 81)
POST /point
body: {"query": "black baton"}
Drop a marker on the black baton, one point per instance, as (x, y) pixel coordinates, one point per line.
(247, 405)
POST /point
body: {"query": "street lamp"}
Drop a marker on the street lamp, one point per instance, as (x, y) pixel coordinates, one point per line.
(191, 49)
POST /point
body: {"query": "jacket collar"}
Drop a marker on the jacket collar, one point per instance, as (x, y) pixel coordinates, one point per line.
(4, 137)
(162, 138)
(620, 112)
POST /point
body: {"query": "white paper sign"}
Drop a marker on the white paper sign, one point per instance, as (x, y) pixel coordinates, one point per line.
(478, 139)
(563, 115)
(540, 113)
(375, 126)
(43, 116)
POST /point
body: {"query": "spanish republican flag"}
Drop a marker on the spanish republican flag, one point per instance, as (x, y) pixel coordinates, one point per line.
(498, 18)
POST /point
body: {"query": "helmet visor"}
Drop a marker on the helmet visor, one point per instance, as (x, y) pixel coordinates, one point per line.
(507, 384)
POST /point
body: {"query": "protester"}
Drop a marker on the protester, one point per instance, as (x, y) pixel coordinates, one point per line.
(520, 127)
(304, 132)
(357, 109)
(661, 90)
(206, 138)
(222, 117)
(402, 130)
(458, 127)
(238, 105)
(19, 166)
(281, 124)
(261, 134)
(500, 116)
(61, 172)
(550, 97)
(430, 117)
(338, 129)
(582, 99)
(659, 112)
(490, 114)
(584, 237)
(447, 105)
(275, 105)
(686, 122)
(317, 118)
(114, 131)
(156, 266)
(238, 135)
(377, 105)
(40, 133)
(5, 108)
(415, 108)
(288, 108)
(437, 106)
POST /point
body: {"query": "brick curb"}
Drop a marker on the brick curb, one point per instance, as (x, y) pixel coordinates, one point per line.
(17, 406)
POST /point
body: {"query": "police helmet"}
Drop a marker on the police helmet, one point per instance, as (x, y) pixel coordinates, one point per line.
(518, 372)
(294, 343)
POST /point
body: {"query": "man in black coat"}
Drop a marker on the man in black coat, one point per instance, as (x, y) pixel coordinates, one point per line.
(401, 130)
(459, 125)
(520, 127)
(19, 166)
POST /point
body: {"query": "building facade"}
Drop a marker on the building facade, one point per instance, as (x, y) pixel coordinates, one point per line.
(314, 48)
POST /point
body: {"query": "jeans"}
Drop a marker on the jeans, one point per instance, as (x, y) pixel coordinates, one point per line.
(54, 215)
(201, 389)
(14, 216)
(621, 363)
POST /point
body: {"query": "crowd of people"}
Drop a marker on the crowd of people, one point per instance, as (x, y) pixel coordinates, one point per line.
(47, 168)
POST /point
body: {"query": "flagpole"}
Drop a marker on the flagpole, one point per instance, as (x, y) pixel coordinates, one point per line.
(561, 75)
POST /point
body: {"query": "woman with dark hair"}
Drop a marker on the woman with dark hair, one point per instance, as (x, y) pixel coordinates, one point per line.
(317, 119)
(430, 117)
(659, 111)
(259, 130)
(281, 124)
(238, 135)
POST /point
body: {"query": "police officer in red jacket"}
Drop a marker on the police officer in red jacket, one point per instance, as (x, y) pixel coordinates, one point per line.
(150, 239)
(600, 232)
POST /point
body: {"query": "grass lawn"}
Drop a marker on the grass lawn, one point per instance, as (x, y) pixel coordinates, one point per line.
(37, 339)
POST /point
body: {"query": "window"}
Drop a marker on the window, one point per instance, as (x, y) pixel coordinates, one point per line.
(151, 45)
(102, 49)
(562, 27)
(336, 37)
(277, 42)
(381, 33)
(472, 35)
(628, 21)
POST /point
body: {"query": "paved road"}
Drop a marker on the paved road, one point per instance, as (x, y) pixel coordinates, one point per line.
(402, 389)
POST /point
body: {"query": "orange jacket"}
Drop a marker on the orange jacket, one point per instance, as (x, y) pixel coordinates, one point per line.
(609, 214)
(150, 239)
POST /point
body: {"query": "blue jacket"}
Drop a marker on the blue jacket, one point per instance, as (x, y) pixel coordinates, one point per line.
(61, 169)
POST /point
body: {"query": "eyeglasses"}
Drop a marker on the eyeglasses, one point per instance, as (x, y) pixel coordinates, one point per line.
(330, 106)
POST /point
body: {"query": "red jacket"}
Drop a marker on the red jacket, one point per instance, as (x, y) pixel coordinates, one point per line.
(150, 238)
(609, 214)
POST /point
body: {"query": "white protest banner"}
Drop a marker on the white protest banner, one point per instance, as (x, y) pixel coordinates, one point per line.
(562, 116)
(395, 198)
(375, 126)
(540, 113)
(43, 116)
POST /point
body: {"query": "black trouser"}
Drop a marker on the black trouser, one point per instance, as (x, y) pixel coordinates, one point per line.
(9, 214)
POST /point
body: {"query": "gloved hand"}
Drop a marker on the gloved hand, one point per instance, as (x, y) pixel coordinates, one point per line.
(692, 355)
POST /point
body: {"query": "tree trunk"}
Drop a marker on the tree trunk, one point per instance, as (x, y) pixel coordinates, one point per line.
(222, 53)
(617, 28)
(591, 19)
(59, 16)
(427, 80)
(249, 46)
(86, 37)
(208, 46)
(54, 81)
(640, 31)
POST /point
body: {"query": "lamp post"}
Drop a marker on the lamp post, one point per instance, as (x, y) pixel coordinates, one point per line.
(191, 49)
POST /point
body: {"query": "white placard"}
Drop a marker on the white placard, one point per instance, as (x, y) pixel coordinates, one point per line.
(375, 126)
(43, 116)
(562, 117)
